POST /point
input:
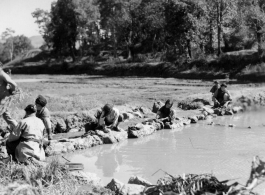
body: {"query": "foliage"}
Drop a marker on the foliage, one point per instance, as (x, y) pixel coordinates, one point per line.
(178, 28)
(52, 178)
(13, 46)
(43, 19)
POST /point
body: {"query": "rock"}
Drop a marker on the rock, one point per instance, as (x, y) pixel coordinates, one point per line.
(112, 137)
(209, 117)
(208, 110)
(125, 189)
(229, 112)
(115, 186)
(137, 114)
(132, 189)
(3, 152)
(157, 105)
(139, 181)
(86, 177)
(150, 115)
(73, 130)
(58, 125)
(186, 121)
(200, 117)
(193, 119)
(217, 111)
(237, 109)
(59, 147)
(145, 110)
(205, 113)
(127, 116)
(86, 142)
(144, 130)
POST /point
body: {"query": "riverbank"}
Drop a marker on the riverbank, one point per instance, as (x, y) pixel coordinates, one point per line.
(242, 65)
(71, 96)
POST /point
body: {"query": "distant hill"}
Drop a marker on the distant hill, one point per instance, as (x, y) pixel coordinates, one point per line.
(37, 41)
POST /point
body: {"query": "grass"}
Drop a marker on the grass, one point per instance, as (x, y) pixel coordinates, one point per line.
(54, 178)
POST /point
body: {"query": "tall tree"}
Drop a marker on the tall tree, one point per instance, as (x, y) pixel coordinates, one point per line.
(254, 13)
(88, 25)
(64, 25)
(43, 19)
(182, 24)
(7, 36)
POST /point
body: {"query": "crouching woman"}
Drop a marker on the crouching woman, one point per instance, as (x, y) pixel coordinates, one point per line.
(25, 141)
(166, 113)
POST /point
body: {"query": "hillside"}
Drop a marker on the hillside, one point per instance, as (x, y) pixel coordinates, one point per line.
(37, 41)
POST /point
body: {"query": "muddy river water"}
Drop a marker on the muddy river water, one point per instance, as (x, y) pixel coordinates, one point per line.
(200, 148)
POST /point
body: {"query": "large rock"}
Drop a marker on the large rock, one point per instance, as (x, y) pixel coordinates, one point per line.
(115, 186)
(86, 142)
(132, 189)
(125, 189)
(69, 145)
(139, 181)
(86, 177)
(140, 130)
(56, 147)
(112, 137)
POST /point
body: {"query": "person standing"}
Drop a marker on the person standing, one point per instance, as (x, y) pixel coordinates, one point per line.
(44, 114)
(25, 141)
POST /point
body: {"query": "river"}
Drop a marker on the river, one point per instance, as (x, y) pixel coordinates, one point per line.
(198, 148)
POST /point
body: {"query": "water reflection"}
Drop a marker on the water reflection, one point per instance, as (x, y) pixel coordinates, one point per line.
(200, 148)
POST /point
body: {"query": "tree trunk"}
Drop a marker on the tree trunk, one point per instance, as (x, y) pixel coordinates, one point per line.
(130, 52)
(219, 26)
(189, 48)
(114, 42)
(211, 37)
(259, 35)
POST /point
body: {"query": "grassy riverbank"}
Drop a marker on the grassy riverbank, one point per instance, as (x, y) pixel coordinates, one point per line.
(228, 65)
(53, 178)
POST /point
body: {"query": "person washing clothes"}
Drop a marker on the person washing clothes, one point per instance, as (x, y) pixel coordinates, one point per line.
(44, 114)
(25, 141)
(166, 113)
(222, 96)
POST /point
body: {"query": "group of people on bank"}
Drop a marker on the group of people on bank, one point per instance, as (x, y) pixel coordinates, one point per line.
(26, 139)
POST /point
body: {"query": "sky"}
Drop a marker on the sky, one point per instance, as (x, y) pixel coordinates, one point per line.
(16, 14)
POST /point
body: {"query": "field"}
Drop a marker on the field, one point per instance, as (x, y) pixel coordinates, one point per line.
(79, 93)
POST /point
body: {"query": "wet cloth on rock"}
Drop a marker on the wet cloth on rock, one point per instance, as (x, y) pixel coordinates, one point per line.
(29, 132)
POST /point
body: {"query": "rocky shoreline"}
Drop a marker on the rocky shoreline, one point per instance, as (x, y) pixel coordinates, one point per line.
(70, 136)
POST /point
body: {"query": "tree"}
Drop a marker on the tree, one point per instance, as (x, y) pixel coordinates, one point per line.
(88, 27)
(22, 44)
(182, 24)
(43, 19)
(7, 36)
(64, 27)
(254, 14)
